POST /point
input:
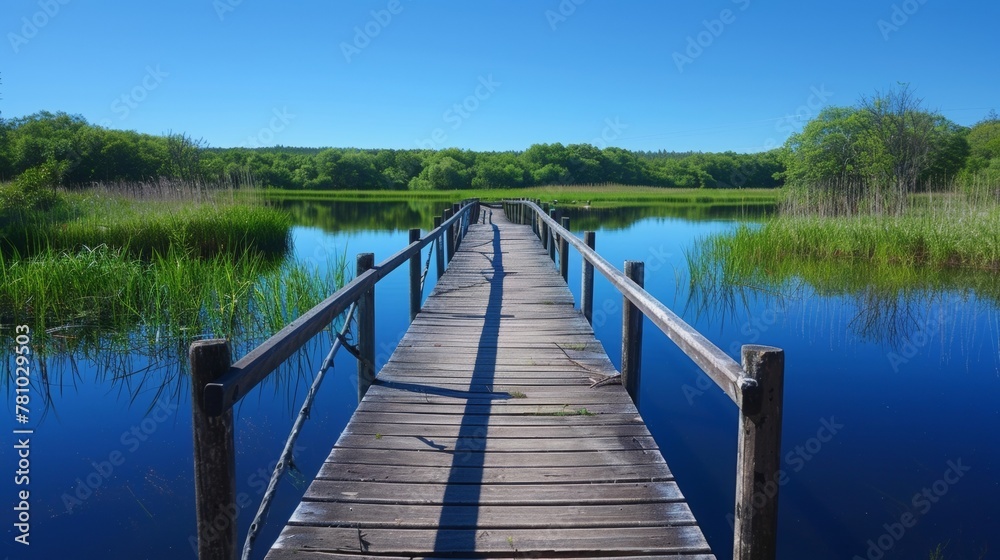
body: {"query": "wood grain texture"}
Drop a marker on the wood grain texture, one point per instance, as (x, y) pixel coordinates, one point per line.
(481, 436)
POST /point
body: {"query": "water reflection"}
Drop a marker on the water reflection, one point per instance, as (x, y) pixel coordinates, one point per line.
(885, 305)
(335, 216)
(141, 369)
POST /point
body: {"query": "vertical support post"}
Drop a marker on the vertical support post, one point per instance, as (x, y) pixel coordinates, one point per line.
(587, 287)
(214, 456)
(439, 248)
(632, 333)
(564, 251)
(449, 236)
(552, 241)
(545, 227)
(366, 329)
(758, 459)
(415, 294)
(456, 229)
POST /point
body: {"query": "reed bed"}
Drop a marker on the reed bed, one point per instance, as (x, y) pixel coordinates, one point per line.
(174, 294)
(179, 259)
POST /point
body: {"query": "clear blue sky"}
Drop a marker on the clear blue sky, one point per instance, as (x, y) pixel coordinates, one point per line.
(263, 72)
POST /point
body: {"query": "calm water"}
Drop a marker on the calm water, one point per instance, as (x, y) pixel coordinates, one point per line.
(891, 408)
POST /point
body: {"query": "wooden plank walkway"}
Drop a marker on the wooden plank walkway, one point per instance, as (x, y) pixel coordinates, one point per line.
(483, 438)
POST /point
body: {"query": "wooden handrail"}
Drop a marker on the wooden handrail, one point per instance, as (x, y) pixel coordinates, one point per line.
(722, 369)
(253, 368)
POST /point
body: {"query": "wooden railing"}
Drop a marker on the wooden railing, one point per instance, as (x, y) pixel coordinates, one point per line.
(217, 384)
(756, 386)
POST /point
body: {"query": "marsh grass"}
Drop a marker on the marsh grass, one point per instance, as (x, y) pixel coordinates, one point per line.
(178, 259)
(107, 290)
(148, 226)
(935, 239)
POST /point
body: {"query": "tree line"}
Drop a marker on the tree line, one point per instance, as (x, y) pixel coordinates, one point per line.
(878, 150)
(871, 155)
(77, 153)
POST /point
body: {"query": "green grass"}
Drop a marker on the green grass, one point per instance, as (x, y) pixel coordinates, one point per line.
(182, 265)
(922, 239)
(147, 228)
(940, 243)
(176, 294)
(566, 411)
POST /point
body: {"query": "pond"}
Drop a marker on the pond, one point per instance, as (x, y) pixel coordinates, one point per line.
(891, 404)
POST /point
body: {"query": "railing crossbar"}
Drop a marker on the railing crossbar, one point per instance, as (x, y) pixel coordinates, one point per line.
(253, 368)
(719, 366)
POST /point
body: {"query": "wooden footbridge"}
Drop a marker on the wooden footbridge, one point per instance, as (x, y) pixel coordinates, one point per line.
(498, 427)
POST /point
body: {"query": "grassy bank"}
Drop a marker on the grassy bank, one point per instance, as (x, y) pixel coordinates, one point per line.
(921, 239)
(939, 241)
(174, 294)
(181, 265)
(145, 228)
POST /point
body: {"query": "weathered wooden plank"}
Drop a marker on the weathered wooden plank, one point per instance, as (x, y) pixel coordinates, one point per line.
(493, 494)
(500, 432)
(491, 444)
(285, 554)
(498, 420)
(446, 458)
(541, 541)
(483, 516)
(652, 472)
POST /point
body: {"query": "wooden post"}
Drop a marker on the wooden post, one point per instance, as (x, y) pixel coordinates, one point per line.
(414, 277)
(545, 227)
(587, 287)
(758, 460)
(564, 251)
(366, 329)
(456, 229)
(214, 456)
(439, 248)
(552, 242)
(449, 237)
(632, 333)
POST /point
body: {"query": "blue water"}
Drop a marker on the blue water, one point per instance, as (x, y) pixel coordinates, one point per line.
(871, 420)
